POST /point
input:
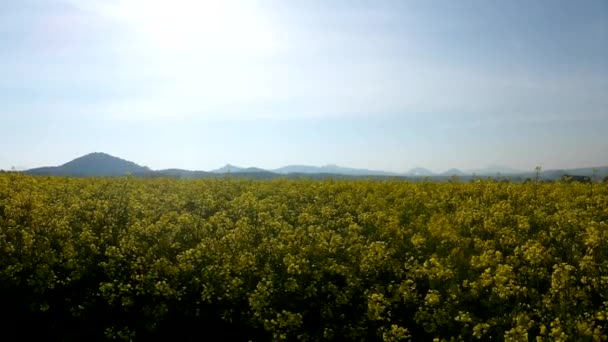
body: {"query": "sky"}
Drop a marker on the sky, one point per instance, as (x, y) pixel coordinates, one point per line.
(388, 85)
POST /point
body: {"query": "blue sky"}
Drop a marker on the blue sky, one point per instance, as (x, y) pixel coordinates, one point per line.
(377, 84)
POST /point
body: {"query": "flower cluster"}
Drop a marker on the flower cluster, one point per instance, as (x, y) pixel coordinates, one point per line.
(167, 259)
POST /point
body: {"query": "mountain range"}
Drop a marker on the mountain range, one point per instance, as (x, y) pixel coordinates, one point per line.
(103, 165)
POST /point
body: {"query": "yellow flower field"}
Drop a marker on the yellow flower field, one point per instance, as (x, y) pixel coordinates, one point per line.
(167, 259)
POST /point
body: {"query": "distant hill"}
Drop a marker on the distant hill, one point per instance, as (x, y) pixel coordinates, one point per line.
(236, 169)
(227, 168)
(93, 164)
(493, 170)
(297, 169)
(585, 171)
(330, 169)
(419, 172)
(178, 173)
(452, 172)
(552, 174)
(104, 165)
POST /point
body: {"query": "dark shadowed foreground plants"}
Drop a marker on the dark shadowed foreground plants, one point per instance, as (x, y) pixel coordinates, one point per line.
(161, 259)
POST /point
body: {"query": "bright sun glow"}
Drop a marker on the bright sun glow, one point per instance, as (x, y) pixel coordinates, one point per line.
(194, 24)
(199, 52)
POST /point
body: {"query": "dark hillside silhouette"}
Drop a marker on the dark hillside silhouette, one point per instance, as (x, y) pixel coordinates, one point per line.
(93, 164)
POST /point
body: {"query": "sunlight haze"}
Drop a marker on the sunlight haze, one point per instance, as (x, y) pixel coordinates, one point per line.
(385, 85)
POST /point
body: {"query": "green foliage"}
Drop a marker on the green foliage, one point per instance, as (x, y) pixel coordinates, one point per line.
(162, 259)
(574, 178)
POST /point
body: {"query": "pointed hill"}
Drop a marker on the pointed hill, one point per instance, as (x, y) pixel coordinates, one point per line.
(93, 164)
(228, 168)
(104, 165)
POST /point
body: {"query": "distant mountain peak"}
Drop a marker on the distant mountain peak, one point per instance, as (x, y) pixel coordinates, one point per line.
(94, 164)
(95, 156)
(100, 164)
(228, 168)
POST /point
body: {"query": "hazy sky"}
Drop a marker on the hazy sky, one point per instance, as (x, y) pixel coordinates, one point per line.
(378, 84)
